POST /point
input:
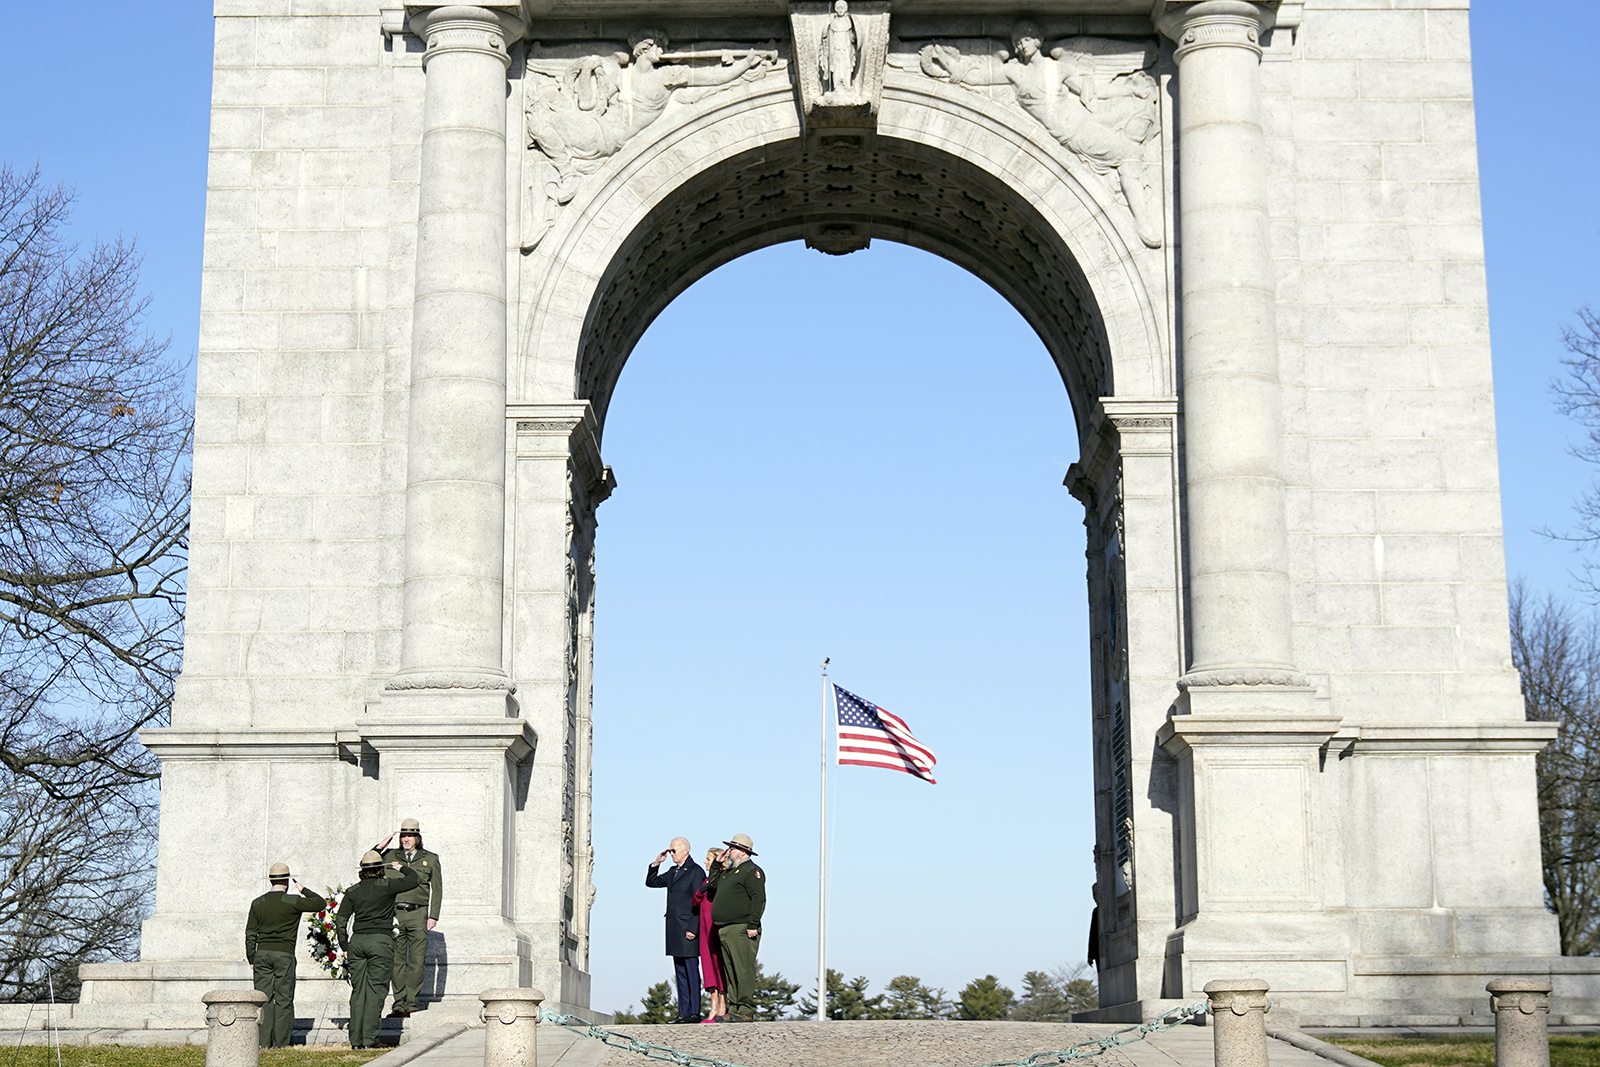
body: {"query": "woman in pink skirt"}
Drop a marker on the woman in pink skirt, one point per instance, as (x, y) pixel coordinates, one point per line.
(710, 963)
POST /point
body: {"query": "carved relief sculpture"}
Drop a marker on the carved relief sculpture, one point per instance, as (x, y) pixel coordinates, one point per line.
(1105, 118)
(582, 109)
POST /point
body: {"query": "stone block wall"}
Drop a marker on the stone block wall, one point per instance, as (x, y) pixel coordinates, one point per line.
(1394, 503)
(301, 406)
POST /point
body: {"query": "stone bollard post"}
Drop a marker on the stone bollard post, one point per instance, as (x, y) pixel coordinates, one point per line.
(233, 1027)
(1238, 1019)
(1521, 1009)
(511, 1020)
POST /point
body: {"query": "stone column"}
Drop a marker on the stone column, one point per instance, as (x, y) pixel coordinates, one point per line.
(1238, 573)
(233, 1027)
(1521, 1009)
(511, 1026)
(455, 459)
(1248, 731)
(1238, 1009)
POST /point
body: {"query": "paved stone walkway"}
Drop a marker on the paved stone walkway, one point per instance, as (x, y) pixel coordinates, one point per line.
(863, 1044)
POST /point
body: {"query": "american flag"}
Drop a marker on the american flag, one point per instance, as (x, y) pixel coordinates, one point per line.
(871, 737)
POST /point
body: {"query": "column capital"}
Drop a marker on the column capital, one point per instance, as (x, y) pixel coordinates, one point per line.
(1524, 995)
(459, 28)
(1239, 996)
(1215, 24)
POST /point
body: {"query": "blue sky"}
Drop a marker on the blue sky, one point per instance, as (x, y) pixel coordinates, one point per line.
(884, 490)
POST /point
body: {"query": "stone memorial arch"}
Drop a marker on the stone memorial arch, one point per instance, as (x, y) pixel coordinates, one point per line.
(1248, 235)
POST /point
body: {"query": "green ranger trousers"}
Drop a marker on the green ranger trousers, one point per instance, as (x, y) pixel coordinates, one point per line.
(274, 976)
(410, 949)
(739, 967)
(371, 959)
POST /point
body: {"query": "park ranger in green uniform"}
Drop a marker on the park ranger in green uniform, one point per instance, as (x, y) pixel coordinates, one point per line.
(369, 950)
(269, 940)
(416, 912)
(740, 889)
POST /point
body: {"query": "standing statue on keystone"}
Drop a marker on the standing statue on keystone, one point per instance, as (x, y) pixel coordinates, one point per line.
(839, 58)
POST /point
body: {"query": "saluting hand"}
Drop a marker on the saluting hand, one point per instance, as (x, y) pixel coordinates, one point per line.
(396, 866)
(660, 859)
(387, 840)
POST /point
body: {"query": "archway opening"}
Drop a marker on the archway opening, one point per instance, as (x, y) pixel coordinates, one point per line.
(857, 457)
(838, 197)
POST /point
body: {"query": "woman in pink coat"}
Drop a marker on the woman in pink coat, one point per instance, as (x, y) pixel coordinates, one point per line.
(710, 963)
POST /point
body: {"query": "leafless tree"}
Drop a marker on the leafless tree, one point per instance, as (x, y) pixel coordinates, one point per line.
(94, 440)
(1558, 653)
(1578, 395)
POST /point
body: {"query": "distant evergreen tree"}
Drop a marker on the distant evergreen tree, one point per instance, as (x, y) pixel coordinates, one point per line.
(656, 1006)
(846, 1000)
(907, 998)
(984, 998)
(1052, 997)
(773, 996)
(1083, 994)
(1043, 1000)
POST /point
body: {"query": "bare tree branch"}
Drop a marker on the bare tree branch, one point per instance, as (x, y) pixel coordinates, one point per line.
(1558, 653)
(94, 511)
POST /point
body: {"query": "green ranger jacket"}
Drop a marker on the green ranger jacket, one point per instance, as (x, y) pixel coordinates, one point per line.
(371, 901)
(430, 890)
(741, 894)
(275, 920)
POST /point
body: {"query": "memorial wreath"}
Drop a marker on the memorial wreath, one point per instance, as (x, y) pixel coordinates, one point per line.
(322, 939)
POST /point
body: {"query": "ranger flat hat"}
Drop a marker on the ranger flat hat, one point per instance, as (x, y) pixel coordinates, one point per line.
(371, 859)
(278, 870)
(743, 842)
(409, 826)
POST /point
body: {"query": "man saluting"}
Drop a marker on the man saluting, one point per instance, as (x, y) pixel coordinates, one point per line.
(269, 943)
(416, 911)
(681, 881)
(369, 947)
(741, 898)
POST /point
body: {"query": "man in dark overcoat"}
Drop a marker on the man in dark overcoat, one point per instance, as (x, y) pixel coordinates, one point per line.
(681, 881)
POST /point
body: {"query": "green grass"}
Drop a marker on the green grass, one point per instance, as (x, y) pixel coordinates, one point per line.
(179, 1056)
(1565, 1051)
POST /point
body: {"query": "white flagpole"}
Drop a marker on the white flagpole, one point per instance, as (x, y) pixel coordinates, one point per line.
(822, 866)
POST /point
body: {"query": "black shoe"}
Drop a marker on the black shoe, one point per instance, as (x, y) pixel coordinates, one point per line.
(688, 1018)
(400, 1013)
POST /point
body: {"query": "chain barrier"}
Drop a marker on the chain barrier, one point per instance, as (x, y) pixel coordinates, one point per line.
(630, 1044)
(1081, 1051)
(1086, 1049)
